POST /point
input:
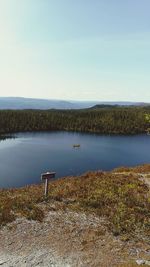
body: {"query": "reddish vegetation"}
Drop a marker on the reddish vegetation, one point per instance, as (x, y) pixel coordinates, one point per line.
(145, 168)
(94, 215)
(122, 199)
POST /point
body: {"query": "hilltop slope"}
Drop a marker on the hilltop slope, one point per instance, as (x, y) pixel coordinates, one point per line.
(84, 219)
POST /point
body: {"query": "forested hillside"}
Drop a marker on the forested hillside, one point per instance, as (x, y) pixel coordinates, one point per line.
(104, 120)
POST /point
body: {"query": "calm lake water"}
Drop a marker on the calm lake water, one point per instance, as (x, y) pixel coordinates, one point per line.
(23, 159)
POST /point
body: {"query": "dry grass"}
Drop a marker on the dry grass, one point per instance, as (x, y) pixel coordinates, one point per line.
(20, 202)
(145, 168)
(122, 199)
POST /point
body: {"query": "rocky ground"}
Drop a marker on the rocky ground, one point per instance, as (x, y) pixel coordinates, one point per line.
(68, 238)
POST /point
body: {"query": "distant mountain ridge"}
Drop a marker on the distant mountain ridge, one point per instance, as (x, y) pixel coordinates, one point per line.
(33, 103)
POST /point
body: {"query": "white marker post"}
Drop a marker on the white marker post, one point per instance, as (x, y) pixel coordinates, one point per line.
(46, 177)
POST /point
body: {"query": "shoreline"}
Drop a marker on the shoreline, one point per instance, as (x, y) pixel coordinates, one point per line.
(12, 134)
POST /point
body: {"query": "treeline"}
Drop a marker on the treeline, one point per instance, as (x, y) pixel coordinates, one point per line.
(104, 120)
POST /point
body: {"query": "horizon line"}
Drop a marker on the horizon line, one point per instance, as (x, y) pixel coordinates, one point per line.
(74, 100)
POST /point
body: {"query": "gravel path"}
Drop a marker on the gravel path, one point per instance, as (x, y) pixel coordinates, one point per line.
(60, 240)
(63, 239)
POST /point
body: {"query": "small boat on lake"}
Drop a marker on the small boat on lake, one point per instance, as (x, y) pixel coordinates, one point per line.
(76, 145)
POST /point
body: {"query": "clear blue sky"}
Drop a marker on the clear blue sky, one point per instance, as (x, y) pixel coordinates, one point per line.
(75, 49)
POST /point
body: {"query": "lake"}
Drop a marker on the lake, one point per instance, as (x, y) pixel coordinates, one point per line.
(24, 158)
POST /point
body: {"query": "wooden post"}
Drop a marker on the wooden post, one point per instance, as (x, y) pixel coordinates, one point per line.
(46, 187)
(46, 177)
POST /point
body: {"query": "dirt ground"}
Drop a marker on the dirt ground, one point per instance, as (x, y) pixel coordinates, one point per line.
(65, 239)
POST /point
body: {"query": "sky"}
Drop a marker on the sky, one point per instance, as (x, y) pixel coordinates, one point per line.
(75, 49)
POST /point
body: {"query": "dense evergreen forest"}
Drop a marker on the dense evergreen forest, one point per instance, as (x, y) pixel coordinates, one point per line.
(100, 119)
